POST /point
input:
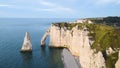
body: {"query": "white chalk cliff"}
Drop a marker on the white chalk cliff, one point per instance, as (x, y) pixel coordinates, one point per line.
(77, 41)
(44, 37)
(27, 46)
(117, 65)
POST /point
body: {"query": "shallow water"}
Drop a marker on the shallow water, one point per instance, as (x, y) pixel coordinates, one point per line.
(12, 32)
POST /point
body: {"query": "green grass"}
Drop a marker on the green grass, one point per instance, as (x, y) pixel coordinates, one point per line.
(105, 37)
(69, 26)
(111, 60)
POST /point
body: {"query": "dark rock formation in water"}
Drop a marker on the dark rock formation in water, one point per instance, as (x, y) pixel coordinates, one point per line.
(27, 46)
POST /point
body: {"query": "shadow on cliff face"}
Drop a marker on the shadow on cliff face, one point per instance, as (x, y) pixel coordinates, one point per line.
(104, 54)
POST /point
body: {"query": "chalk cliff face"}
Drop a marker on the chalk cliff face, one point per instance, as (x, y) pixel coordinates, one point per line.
(117, 65)
(77, 41)
(44, 37)
(27, 46)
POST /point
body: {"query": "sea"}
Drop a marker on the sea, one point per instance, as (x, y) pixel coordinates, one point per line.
(12, 32)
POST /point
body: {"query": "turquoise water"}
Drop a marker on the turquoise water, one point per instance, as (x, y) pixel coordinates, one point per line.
(12, 32)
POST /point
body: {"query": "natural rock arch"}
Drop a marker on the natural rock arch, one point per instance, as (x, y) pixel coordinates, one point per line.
(47, 33)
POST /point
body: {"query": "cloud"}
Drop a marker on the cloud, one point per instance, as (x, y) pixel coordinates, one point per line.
(72, 0)
(55, 9)
(37, 7)
(52, 7)
(47, 3)
(40, 5)
(106, 2)
(12, 6)
(5, 5)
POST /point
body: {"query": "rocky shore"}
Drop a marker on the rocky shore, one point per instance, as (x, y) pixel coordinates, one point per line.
(69, 60)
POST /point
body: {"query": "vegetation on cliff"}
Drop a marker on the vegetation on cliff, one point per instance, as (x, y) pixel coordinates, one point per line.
(104, 37)
(111, 60)
(69, 26)
(109, 20)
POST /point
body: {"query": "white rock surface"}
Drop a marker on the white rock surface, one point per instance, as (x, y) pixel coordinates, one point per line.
(44, 37)
(27, 46)
(117, 65)
(87, 57)
(110, 51)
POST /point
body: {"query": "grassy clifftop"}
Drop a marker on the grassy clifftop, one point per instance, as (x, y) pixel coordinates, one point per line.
(104, 36)
(69, 26)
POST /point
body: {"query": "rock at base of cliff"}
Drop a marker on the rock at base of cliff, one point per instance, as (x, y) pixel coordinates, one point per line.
(25, 50)
(27, 46)
(69, 60)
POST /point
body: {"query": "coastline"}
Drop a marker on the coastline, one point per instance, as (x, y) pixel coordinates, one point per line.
(69, 60)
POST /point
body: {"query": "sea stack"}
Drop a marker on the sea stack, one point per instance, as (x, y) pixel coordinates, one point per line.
(27, 46)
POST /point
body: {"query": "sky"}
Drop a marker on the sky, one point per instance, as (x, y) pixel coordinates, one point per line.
(58, 8)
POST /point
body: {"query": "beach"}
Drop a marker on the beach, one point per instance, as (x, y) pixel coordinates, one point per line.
(69, 60)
